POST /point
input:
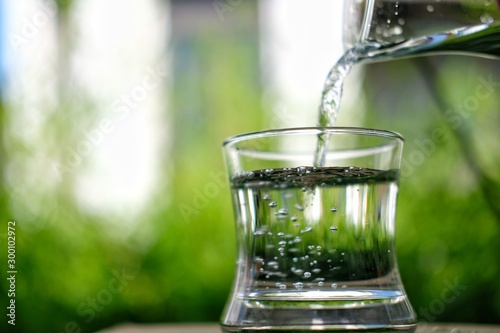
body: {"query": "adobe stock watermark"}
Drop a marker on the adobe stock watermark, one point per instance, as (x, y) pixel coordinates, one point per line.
(455, 117)
(281, 116)
(31, 25)
(121, 109)
(448, 295)
(11, 272)
(89, 308)
(202, 196)
(222, 7)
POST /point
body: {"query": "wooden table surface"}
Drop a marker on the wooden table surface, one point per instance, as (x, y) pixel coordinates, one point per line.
(214, 328)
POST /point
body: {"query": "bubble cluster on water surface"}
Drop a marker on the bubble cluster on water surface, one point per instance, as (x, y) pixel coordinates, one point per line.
(305, 177)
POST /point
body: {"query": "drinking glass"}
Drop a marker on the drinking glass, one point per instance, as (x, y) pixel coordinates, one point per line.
(315, 243)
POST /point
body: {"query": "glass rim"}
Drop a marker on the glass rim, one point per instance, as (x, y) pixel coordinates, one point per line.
(366, 131)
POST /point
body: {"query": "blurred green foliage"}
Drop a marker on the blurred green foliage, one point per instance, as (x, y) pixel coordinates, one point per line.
(448, 220)
(74, 270)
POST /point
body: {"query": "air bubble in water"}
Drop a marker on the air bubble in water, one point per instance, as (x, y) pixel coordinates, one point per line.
(298, 285)
(334, 285)
(487, 19)
(316, 270)
(283, 212)
(299, 207)
(308, 229)
(282, 286)
(273, 265)
(268, 171)
(259, 233)
(273, 204)
(266, 197)
(307, 275)
(397, 30)
(333, 209)
(333, 228)
(430, 8)
(320, 283)
(301, 170)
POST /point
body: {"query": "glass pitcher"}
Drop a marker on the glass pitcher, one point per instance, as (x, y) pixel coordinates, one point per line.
(392, 29)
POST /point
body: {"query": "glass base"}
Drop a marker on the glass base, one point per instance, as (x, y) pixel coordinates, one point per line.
(356, 315)
(402, 328)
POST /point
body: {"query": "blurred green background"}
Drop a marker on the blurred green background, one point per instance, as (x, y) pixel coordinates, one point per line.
(112, 167)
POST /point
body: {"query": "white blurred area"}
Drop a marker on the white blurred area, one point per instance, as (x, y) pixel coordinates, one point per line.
(31, 97)
(121, 62)
(108, 61)
(301, 40)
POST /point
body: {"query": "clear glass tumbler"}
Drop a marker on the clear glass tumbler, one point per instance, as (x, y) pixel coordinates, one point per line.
(316, 243)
